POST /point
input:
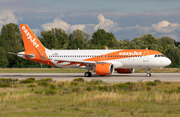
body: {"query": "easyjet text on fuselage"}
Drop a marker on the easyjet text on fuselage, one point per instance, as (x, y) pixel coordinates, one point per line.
(130, 53)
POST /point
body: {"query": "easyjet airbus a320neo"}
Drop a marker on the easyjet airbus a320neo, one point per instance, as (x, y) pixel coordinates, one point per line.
(102, 62)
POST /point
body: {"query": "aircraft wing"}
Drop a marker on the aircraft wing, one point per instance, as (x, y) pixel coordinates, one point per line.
(115, 63)
(78, 61)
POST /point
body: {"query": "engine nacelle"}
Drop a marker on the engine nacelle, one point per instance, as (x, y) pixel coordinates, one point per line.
(125, 70)
(104, 69)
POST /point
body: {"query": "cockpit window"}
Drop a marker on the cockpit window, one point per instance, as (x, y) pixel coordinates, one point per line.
(159, 55)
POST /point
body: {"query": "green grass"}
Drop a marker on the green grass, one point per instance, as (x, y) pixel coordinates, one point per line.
(77, 70)
(67, 99)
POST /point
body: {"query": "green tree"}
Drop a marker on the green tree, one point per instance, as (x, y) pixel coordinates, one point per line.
(124, 43)
(76, 43)
(176, 43)
(80, 35)
(62, 38)
(114, 44)
(101, 37)
(11, 41)
(173, 53)
(78, 39)
(48, 39)
(3, 59)
(165, 43)
(146, 41)
(54, 39)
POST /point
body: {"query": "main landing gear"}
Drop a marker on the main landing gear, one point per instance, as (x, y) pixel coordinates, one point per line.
(148, 72)
(87, 74)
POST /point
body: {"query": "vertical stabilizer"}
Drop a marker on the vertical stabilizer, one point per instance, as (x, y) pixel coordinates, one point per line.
(31, 42)
(33, 47)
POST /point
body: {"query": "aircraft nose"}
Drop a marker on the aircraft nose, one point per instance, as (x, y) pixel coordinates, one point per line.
(168, 61)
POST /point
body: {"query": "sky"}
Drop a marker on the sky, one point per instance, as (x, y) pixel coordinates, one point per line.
(126, 19)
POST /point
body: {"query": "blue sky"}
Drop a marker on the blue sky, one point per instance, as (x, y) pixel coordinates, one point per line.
(124, 18)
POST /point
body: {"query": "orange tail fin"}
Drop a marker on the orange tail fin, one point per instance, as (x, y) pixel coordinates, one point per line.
(33, 46)
(31, 42)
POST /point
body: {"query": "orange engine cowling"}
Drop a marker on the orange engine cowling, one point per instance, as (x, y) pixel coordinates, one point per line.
(125, 70)
(104, 69)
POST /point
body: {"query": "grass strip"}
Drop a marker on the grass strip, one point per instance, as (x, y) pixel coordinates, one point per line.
(45, 97)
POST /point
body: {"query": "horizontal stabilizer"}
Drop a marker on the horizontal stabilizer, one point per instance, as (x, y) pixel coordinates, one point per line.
(20, 53)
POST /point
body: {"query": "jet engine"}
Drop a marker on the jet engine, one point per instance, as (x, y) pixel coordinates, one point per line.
(104, 69)
(125, 70)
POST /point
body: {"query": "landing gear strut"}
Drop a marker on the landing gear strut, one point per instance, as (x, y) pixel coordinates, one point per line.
(148, 72)
(87, 74)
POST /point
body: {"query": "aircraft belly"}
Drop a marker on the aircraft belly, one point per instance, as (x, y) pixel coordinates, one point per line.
(136, 63)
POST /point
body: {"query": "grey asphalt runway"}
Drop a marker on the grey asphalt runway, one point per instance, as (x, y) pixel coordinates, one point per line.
(135, 77)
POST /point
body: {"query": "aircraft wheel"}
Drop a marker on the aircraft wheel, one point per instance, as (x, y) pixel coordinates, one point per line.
(148, 74)
(87, 74)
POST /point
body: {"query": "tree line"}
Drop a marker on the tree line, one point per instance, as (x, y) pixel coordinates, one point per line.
(11, 41)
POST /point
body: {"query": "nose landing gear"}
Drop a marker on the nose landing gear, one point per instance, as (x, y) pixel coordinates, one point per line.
(148, 72)
(87, 74)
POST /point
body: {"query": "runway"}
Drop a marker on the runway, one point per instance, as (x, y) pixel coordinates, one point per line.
(109, 79)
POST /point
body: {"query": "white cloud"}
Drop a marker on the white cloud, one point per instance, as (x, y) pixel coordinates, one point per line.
(8, 17)
(36, 31)
(77, 26)
(137, 28)
(165, 27)
(57, 23)
(173, 36)
(106, 24)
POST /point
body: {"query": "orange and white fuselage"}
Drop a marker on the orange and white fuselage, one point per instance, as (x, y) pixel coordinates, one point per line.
(103, 62)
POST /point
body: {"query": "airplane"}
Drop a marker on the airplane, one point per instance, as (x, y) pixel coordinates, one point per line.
(102, 62)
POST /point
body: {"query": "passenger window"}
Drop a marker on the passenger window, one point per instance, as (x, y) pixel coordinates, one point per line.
(159, 55)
